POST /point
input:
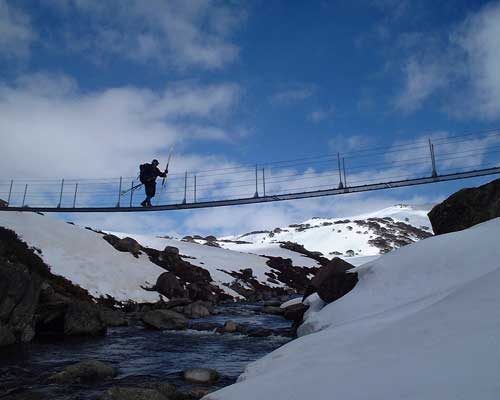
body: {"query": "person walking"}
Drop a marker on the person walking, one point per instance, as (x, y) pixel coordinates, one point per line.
(148, 175)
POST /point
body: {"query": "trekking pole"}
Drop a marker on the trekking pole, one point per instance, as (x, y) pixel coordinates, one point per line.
(166, 167)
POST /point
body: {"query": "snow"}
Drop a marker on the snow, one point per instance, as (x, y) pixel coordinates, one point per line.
(422, 323)
(83, 257)
(215, 260)
(329, 239)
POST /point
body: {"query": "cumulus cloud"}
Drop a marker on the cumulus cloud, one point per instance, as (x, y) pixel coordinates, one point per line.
(51, 128)
(16, 33)
(461, 69)
(181, 33)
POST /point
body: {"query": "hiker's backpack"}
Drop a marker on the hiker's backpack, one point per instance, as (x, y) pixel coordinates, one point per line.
(144, 173)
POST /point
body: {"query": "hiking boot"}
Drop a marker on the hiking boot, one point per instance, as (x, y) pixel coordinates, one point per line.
(145, 203)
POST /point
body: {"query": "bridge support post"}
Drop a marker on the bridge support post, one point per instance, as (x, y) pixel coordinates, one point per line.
(264, 181)
(74, 198)
(185, 188)
(131, 192)
(10, 191)
(341, 185)
(24, 196)
(256, 194)
(195, 189)
(433, 159)
(119, 192)
(61, 194)
(345, 176)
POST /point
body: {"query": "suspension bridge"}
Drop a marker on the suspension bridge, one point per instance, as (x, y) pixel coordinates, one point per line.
(420, 162)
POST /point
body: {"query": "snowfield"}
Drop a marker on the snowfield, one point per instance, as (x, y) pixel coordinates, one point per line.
(422, 323)
(83, 257)
(330, 236)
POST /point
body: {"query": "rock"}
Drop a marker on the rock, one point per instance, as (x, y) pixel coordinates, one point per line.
(334, 270)
(171, 250)
(273, 303)
(272, 310)
(247, 273)
(295, 312)
(83, 319)
(111, 239)
(113, 318)
(198, 309)
(84, 371)
(128, 245)
(230, 327)
(259, 332)
(201, 291)
(201, 375)
(3, 203)
(165, 320)
(336, 286)
(168, 285)
(198, 392)
(181, 302)
(204, 326)
(131, 393)
(466, 208)
(19, 292)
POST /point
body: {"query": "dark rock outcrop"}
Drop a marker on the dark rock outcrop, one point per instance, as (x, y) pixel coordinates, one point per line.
(19, 291)
(295, 312)
(333, 281)
(466, 208)
(168, 285)
(165, 320)
(298, 248)
(128, 245)
(84, 371)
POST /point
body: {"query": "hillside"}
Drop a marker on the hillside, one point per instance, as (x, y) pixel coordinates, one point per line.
(422, 323)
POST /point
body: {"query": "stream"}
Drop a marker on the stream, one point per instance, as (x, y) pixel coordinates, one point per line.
(141, 355)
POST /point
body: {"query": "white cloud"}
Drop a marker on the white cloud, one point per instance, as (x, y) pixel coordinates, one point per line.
(181, 33)
(462, 70)
(322, 114)
(345, 143)
(16, 33)
(50, 128)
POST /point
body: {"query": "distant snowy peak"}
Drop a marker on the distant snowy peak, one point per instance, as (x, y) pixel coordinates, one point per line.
(362, 235)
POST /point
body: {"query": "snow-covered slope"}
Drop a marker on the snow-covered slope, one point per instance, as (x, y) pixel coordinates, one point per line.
(220, 262)
(422, 323)
(83, 257)
(358, 239)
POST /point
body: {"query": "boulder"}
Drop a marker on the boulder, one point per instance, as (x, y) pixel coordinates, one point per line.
(171, 250)
(165, 320)
(272, 310)
(84, 371)
(201, 375)
(83, 319)
(128, 245)
(295, 312)
(198, 309)
(113, 318)
(168, 285)
(133, 393)
(336, 286)
(466, 208)
(19, 292)
(230, 327)
(180, 302)
(333, 280)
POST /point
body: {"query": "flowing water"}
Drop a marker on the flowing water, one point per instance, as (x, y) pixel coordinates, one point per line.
(141, 355)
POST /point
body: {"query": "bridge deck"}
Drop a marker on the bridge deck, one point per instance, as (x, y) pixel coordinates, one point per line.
(272, 198)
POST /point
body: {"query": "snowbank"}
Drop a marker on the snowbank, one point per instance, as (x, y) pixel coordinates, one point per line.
(422, 323)
(83, 257)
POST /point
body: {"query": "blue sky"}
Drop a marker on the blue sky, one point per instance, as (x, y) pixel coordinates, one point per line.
(91, 89)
